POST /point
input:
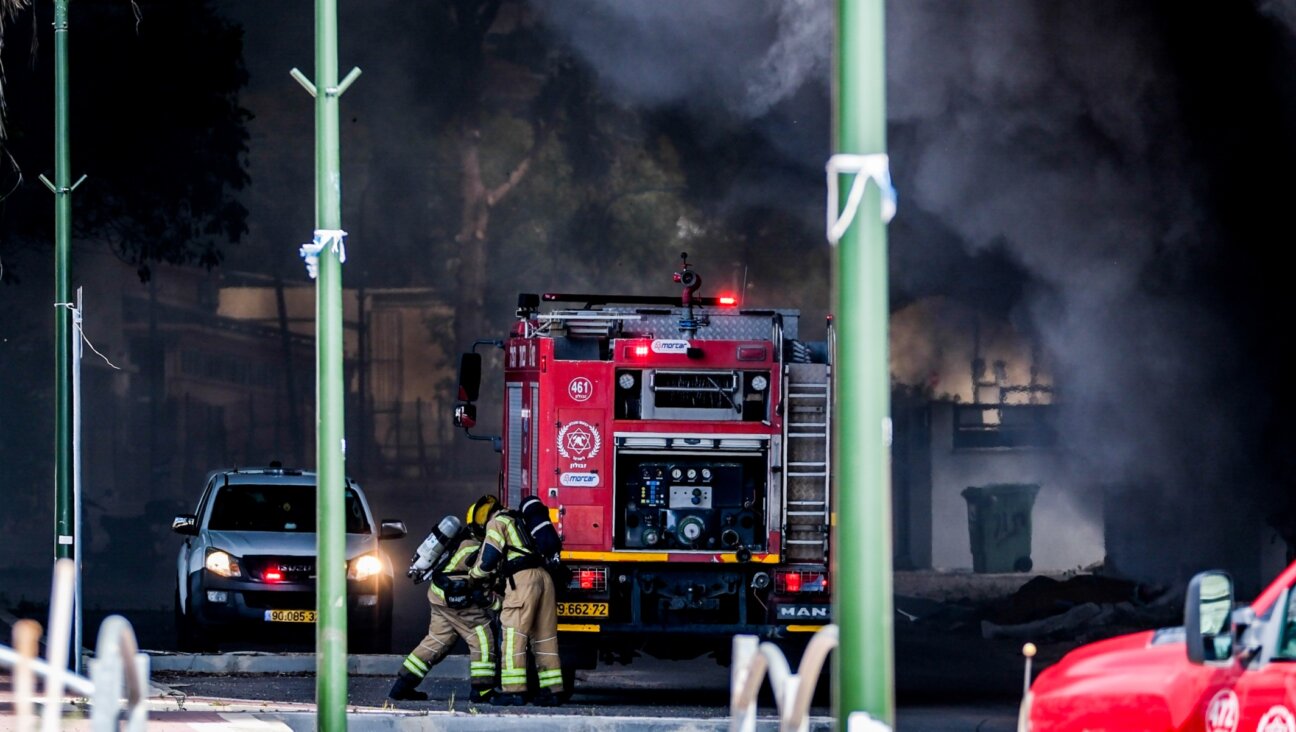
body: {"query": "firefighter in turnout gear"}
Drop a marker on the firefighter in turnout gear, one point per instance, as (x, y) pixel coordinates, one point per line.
(529, 615)
(459, 609)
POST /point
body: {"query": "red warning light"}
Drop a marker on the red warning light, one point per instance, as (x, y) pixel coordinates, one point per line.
(793, 582)
(272, 575)
(641, 350)
(728, 300)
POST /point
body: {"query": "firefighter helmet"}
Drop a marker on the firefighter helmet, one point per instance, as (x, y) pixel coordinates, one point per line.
(479, 513)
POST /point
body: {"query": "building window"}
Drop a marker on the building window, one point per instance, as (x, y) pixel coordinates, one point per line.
(986, 426)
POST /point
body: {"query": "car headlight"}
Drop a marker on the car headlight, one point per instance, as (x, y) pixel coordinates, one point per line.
(222, 564)
(363, 567)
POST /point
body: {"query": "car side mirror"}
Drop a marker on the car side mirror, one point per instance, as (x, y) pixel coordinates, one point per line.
(391, 529)
(465, 416)
(186, 524)
(470, 367)
(1208, 618)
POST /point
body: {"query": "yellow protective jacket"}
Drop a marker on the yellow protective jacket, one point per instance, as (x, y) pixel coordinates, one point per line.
(457, 569)
(505, 551)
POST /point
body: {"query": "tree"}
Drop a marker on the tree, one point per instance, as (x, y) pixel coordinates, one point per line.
(556, 185)
(516, 105)
(8, 11)
(162, 142)
(470, 22)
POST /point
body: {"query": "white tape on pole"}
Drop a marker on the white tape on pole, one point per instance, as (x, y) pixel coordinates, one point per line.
(875, 167)
(334, 239)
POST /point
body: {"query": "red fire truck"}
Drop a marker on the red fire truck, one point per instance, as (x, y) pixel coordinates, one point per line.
(682, 446)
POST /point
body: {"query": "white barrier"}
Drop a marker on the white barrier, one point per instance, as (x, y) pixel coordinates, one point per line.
(118, 669)
(793, 692)
(58, 636)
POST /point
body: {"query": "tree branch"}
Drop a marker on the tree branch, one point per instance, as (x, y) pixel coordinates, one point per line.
(497, 193)
(539, 135)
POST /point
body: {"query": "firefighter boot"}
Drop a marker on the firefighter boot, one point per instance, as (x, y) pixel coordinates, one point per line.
(406, 688)
(546, 698)
(482, 694)
(507, 700)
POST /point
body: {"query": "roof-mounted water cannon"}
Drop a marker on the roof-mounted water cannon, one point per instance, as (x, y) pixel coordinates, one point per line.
(689, 278)
(692, 281)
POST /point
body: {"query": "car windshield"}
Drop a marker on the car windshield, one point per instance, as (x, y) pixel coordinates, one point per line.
(279, 508)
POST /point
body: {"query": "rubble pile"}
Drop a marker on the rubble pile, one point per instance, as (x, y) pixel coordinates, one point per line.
(1079, 609)
(1083, 608)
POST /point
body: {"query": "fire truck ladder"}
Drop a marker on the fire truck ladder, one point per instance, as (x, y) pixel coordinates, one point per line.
(807, 434)
(582, 322)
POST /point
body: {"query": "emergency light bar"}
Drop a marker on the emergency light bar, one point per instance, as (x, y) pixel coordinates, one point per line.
(672, 301)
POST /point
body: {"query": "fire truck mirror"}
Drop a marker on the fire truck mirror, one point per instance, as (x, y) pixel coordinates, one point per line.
(1208, 626)
(470, 365)
(465, 416)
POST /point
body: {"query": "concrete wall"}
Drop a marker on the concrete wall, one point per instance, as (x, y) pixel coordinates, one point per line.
(1067, 525)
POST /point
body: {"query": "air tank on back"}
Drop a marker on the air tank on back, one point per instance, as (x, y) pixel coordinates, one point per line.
(427, 554)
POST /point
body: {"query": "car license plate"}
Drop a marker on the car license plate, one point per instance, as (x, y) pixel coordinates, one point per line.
(290, 616)
(583, 609)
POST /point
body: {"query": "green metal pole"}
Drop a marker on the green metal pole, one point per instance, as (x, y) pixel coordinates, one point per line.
(331, 605)
(62, 187)
(863, 664)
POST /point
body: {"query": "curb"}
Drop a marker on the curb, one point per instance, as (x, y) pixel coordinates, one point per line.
(255, 662)
(453, 722)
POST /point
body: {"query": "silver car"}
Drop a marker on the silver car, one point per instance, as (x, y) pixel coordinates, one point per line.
(247, 563)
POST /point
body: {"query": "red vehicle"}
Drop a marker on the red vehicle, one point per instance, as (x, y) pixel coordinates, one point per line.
(681, 444)
(1235, 670)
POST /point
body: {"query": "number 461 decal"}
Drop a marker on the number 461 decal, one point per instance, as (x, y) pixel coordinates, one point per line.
(580, 389)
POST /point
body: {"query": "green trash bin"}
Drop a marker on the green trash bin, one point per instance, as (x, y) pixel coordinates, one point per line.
(999, 525)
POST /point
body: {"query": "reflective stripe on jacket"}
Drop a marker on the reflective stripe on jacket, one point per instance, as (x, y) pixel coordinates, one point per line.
(458, 566)
(503, 543)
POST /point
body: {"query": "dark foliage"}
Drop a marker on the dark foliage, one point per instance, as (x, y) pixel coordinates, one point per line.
(155, 126)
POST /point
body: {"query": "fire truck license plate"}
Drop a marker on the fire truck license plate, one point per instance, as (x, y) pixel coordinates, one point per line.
(583, 609)
(290, 616)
